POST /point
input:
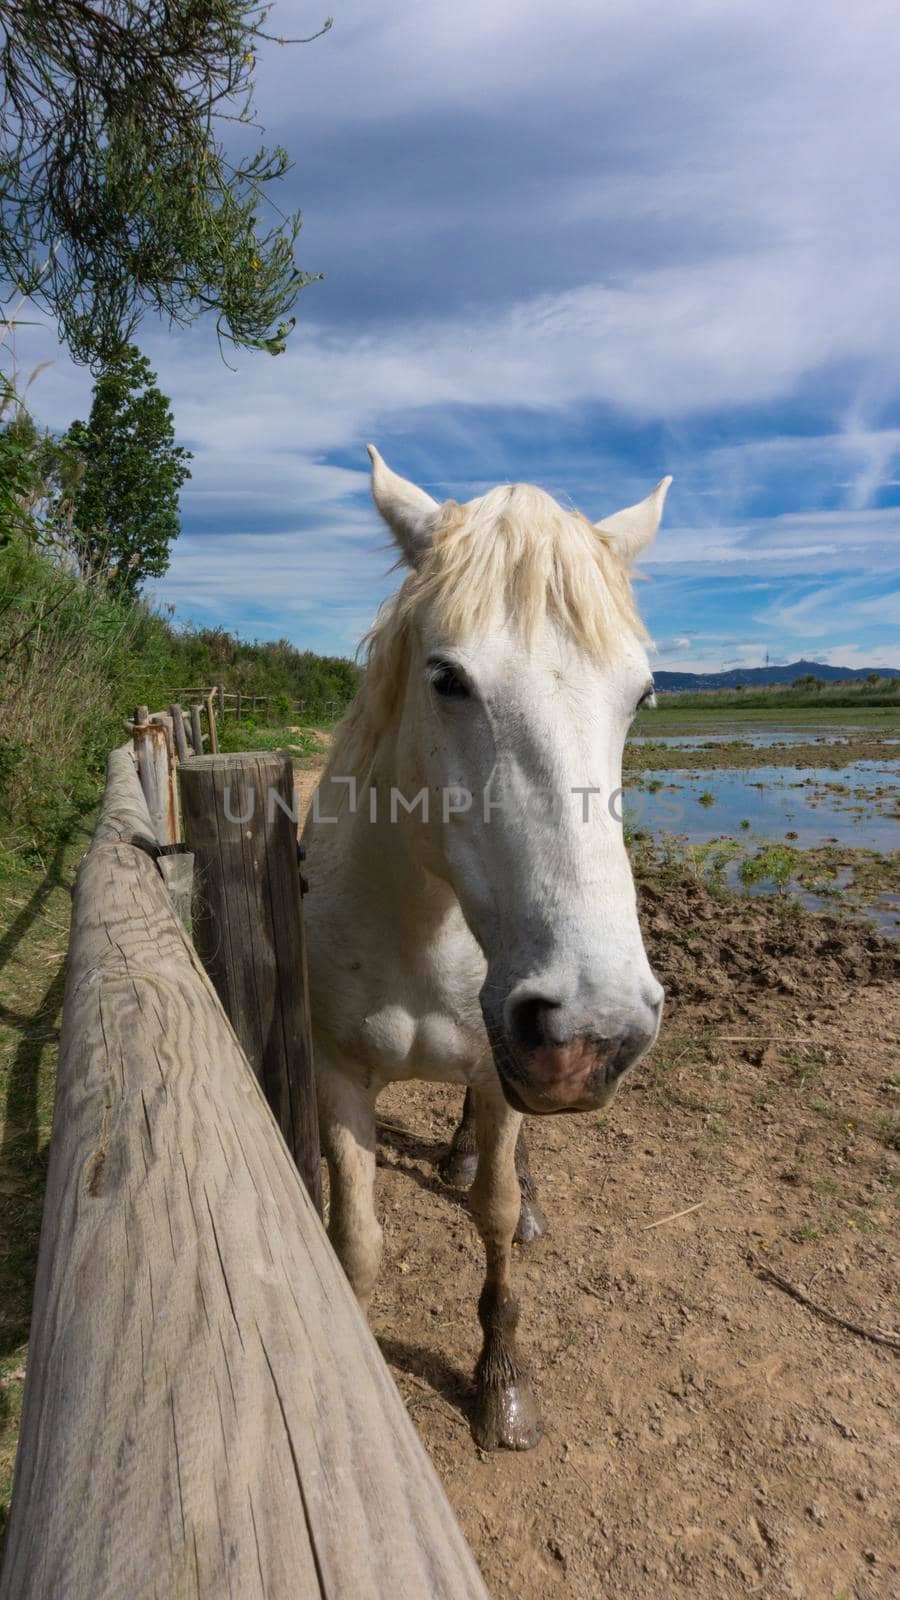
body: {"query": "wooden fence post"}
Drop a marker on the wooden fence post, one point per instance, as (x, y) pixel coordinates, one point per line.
(206, 1413)
(151, 751)
(181, 744)
(211, 719)
(166, 721)
(240, 823)
(237, 706)
(196, 730)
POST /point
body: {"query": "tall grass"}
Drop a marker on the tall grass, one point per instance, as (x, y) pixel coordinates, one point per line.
(73, 660)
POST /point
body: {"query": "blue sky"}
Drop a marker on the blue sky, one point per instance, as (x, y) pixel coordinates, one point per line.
(584, 245)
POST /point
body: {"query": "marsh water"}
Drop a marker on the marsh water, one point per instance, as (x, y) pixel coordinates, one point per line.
(759, 739)
(847, 809)
(857, 805)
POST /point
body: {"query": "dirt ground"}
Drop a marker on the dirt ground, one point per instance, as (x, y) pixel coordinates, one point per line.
(706, 1434)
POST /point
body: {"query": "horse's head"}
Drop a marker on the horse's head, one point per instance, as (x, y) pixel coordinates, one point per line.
(518, 663)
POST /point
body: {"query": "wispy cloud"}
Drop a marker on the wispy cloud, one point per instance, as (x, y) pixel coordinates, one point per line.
(580, 246)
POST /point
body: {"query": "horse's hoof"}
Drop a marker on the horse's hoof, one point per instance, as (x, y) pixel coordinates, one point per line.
(531, 1224)
(458, 1168)
(506, 1417)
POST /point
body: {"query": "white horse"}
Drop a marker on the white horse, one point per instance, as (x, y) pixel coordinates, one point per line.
(471, 911)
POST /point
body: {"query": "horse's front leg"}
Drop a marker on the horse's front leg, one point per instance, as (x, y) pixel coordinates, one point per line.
(459, 1165)
(532, 1223)
(347, 1126)
(506, 1412)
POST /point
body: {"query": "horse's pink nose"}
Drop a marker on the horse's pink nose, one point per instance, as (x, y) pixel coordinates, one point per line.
(566, 1077)
(559, 1073)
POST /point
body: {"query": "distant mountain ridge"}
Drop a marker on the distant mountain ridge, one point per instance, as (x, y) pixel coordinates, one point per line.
(743, 677)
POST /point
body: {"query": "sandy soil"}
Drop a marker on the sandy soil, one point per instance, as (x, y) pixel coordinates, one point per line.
(706, 1434)
(307, 772)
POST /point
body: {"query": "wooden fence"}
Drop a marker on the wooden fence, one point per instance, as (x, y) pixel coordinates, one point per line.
(206, 1413)
(238, 704)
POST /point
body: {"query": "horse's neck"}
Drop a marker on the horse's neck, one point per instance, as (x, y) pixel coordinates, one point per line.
(379, 859)
(371, 893)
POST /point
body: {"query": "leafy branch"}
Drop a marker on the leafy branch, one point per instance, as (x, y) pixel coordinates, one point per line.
(116, 194)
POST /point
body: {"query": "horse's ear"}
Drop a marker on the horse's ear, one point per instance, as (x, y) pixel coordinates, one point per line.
(409, 512)
(631, 530)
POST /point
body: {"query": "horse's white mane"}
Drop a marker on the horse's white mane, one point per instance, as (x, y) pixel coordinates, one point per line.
(513, 554)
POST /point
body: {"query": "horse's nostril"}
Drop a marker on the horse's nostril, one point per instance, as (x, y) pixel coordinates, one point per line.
(531, 1021)
(626, 1050)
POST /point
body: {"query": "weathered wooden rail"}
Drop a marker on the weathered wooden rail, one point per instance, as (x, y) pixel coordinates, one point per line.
(237, 703)
(206, 1413)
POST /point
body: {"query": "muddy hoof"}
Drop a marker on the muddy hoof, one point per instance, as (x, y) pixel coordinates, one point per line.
(458, 1168)
(531, 1224)
(506, 1417)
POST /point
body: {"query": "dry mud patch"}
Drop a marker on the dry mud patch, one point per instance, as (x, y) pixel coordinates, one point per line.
(706, 1434)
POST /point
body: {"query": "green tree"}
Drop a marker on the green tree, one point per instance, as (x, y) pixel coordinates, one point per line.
(116, 193)
(126, 505)
(39, 476)
(15, 464)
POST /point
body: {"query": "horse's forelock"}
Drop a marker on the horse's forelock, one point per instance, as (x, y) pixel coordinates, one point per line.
(513, 555)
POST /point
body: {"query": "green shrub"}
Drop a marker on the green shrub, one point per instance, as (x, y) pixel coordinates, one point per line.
(74, 661)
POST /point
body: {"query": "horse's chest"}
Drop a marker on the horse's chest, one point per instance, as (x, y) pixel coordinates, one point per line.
(397, 1042)
(401, 1004)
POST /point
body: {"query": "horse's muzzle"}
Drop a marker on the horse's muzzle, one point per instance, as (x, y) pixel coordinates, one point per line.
(543, 1076)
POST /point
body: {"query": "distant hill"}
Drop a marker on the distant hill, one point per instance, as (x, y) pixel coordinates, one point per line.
(746, 677)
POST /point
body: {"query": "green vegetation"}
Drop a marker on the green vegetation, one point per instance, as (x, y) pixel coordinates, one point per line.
(773, 863)
(116, 194)
(83, 519)
(808, 692)
(38, 475)
(213, 655)
(250, 735)
(34, 918)
(129, 473)
(75, 659)
(79, 648)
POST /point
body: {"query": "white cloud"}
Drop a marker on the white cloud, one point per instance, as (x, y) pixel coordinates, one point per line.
(698, 195)
(823, 612)
(808, 543)
(852, 655)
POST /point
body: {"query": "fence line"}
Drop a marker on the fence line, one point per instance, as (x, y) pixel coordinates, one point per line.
(206, 1412)
(237, 703)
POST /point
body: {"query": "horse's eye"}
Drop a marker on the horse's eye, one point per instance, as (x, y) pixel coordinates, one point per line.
(648, 698)
(446, 683)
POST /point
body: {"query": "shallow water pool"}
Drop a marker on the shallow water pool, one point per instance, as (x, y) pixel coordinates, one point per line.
(804, 804)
